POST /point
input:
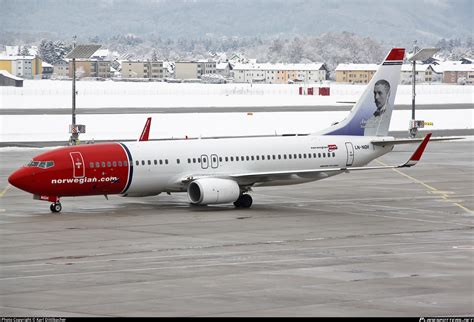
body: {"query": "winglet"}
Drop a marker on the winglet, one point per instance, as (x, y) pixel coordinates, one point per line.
(418, 153)
(146, 130)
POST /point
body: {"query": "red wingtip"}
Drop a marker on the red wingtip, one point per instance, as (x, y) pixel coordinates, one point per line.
(146, 130)
(396, 54)
(417, 155)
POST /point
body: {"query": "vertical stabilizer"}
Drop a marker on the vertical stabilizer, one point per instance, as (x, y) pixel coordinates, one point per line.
(371, 115)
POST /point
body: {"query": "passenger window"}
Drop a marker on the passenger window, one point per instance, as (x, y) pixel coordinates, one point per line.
(324, 155)
(143, 162)
(232, 159)
(304, 155)
(309, 155)
(295, 156)
(220, 159)
(125, 163)
(166, 161)
(236, 158)
(194, 160)
(226, 159)
(103, 164)
(284, 156)
(273, 157)
(299, 155)
(120, 163)
(177, 161)
(155, 162)
(247, 158)
(289, 156)
(91, 165)
(258, 158)
(268, 157)
(109, 164)
(97, 165)
(319, 155)
(114, 163)
(334, 154)
(199, 160)
(161, 161)
(189, 160)
(279, 156)
(314, 155)
(252, 158)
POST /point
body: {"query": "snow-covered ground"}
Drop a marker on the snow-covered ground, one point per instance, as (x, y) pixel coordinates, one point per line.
(57, 94)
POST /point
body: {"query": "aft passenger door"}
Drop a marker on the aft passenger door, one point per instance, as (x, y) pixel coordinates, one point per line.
(350, 153)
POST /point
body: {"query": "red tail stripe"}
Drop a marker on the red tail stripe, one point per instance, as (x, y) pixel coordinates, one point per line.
(396, 54)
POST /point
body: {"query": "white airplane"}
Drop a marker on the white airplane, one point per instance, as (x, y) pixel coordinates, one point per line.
(224, 170)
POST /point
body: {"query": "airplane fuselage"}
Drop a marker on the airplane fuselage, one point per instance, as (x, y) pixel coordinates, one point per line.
(151, 167)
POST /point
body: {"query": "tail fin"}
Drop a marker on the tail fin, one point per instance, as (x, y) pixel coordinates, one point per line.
(371, 115)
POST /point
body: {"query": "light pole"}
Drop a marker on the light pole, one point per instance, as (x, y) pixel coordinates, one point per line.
(84, 52)
(417, 55)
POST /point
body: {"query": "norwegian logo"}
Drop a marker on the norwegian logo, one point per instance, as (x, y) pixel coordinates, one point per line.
(332, 147)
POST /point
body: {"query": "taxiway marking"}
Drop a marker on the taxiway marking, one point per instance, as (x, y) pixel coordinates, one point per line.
(443, 194)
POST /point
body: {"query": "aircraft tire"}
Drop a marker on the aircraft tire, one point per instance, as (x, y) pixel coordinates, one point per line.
(56, 207)
(244, 201)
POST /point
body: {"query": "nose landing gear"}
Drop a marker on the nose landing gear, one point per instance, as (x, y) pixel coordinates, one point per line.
(56, 207)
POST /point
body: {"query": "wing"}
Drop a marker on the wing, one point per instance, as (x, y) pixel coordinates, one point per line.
(253, 177)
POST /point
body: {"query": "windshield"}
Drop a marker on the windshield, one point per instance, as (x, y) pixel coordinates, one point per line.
(41, 164)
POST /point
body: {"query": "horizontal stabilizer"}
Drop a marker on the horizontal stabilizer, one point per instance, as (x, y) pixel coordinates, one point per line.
(391, 141)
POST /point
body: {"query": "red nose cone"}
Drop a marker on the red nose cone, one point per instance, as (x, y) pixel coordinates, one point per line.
(21, 179)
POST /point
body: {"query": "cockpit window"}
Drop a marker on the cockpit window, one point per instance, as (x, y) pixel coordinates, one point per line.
(41, 164)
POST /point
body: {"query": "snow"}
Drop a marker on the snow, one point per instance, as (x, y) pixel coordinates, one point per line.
(129, 126)
(94, 94)
(57, 94)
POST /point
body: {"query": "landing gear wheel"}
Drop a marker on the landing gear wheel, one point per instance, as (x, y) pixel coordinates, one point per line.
(244, 201)
(56, 207)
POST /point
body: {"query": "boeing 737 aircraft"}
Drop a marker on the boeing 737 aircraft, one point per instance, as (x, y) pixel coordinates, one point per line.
(224, 170)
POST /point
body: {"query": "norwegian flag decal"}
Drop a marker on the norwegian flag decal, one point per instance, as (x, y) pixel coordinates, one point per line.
(332, 147)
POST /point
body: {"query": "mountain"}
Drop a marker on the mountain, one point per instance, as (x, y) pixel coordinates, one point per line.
(392, 22)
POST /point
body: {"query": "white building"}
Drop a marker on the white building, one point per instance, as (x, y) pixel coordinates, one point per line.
(423, 74)
(279, 73)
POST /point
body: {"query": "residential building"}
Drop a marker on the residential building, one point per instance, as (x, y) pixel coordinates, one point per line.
(194, 69)
(279, 73)
(457, 73)
(27, 67)
(224, 69)
(142, 69)
(423, 74)
(61, 70)
(48, 70)
(90, 68)
(355, 73)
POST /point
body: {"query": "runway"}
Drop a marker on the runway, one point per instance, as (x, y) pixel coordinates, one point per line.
(372, 243)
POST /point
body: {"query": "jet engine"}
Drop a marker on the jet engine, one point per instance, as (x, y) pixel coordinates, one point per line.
(213, 191)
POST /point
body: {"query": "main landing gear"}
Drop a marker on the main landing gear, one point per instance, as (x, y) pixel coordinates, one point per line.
(56, 207)
(244, 201)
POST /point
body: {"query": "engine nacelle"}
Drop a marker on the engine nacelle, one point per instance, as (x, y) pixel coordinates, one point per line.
(213, 191)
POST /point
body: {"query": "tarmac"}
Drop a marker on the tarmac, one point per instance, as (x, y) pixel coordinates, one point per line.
(369, 243)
